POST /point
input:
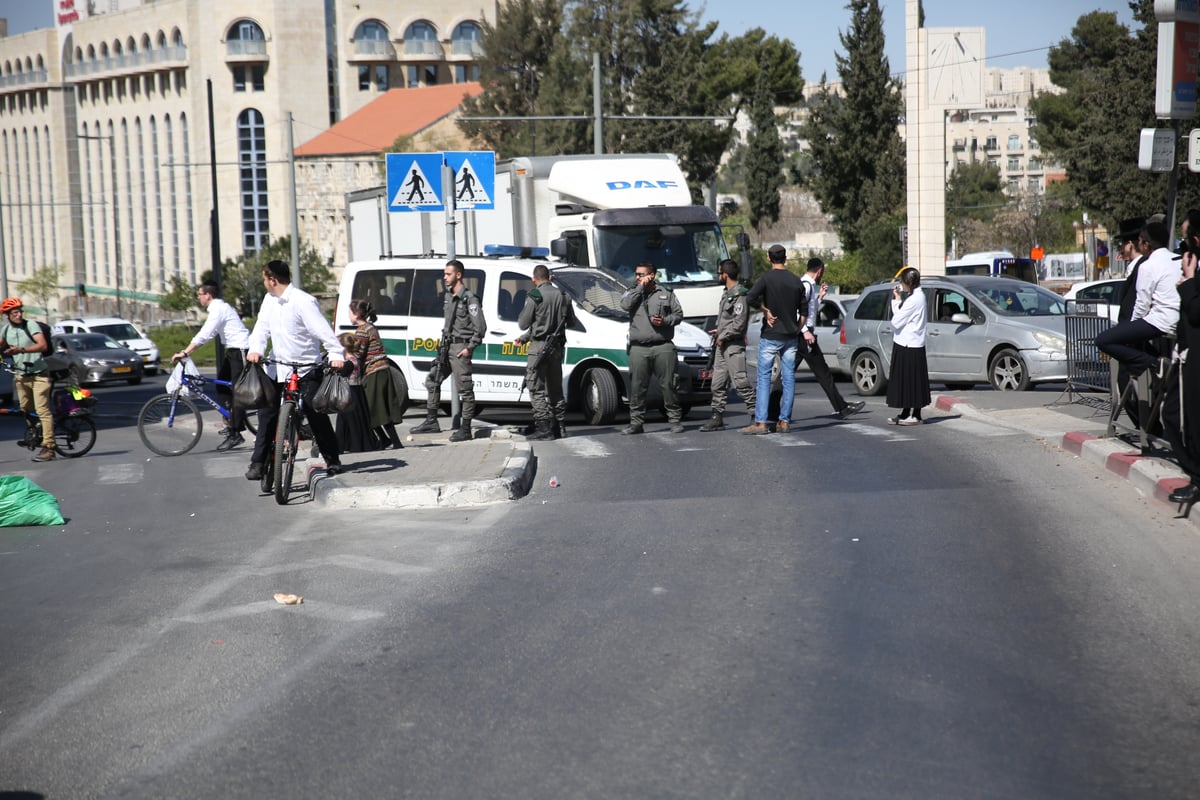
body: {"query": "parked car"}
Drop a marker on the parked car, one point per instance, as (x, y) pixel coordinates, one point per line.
(1002, 331)
(122, 330)
(1104, 296)
(96, 358)
(830, 316)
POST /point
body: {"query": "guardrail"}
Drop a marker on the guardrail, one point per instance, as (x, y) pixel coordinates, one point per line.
(1087, 368)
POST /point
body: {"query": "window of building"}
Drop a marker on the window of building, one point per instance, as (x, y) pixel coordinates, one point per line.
(188, 210)
(1035, 185)
(1014, 142)
(246, 31)
(250, 76)
(372, 30)
(373, 76)
(466, 72)
(464, 40)
(1033, 145)
(1035, 164)
(991, 144)
(429, 76)
(252, 155)
(420, 32)
(1014, 164)
(994, 161)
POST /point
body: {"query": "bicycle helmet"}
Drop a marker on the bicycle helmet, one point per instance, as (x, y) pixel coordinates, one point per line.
(10, 304)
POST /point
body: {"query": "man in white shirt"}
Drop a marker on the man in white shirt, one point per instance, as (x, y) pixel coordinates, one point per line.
(293, 322)
(1155, 305)
(223, 323)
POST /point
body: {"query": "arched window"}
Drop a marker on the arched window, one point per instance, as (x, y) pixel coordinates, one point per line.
(252, 155)
(372, 30)
(464, 41)
(421, 32)
(188, 209)
(246, 30)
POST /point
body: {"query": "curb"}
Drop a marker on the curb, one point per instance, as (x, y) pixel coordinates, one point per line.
(514, 482)
(1151, 476)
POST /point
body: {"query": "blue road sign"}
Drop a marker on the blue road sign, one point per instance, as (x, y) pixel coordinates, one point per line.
(474, 178)
(414, 182)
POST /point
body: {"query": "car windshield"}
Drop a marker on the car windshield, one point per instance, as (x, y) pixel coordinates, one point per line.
(596, 291)
(1020, 301)
(683, 254)
(117, 330)
(95, 341)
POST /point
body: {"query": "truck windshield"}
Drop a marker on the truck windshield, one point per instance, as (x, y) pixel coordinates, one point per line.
(683, 254)
(595, 291)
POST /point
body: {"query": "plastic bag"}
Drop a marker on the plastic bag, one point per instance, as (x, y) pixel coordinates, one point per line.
(184, 367)
(23, 502)
(333, 394)
(254, 389)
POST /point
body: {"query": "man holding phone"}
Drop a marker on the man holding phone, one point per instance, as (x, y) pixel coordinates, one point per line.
(654, 311)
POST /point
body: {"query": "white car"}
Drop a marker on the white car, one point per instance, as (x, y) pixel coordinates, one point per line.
(1104, 296)
(120, 329)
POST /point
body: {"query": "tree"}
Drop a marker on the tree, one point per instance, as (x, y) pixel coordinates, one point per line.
(856, 149)
(1107, 75)
(42, 285)
(764, 162)
(180, 297)
(973, 192)
(242, 285)
(516, 50)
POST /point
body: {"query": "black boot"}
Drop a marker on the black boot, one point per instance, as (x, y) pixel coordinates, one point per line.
(717, 423)
(392, 438)
(1185, 494)
(463, 434)
(430, 425)
(560, 429)
(542, 431)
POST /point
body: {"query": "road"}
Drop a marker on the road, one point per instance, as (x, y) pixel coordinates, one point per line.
(852, 610)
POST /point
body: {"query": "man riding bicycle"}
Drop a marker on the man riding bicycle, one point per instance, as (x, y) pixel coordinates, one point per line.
(291, 319)
(28, 345)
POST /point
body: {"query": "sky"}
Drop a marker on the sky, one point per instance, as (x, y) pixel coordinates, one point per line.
(1018, 32)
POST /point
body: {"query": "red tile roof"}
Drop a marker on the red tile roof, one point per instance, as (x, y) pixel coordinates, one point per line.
(398, 112)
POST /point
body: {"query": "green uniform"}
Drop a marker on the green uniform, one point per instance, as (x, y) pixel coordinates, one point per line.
(545, 317)
(651, 349)
(463, 326)
(729, 360)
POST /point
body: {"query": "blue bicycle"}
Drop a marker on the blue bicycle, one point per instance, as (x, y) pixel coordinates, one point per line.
(170, 424)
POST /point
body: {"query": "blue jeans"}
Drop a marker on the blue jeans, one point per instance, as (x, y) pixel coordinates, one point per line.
(767, 350)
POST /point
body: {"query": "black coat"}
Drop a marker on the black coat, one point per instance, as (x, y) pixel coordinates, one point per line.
(1187, 332)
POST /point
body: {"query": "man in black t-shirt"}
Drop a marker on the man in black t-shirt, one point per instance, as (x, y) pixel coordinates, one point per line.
(780, 295)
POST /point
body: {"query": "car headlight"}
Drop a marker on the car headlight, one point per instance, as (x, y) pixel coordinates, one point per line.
(92, 362)
(1049, 341)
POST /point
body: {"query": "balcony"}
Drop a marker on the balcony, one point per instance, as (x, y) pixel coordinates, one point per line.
(21, 80)
(466, 48)
(245, 50)
(373, 50)
(422, 50)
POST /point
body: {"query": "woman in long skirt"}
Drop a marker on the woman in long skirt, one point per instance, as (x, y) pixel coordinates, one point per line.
(354, 432)
(383, 402)
(908, 380)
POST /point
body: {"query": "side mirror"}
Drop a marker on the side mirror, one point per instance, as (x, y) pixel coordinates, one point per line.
(961, 319)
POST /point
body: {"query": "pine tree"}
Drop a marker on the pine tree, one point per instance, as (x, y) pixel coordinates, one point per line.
(855, 145)
(764, 161)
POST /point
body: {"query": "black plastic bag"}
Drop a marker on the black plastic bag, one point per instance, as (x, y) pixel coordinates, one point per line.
(333, 394)
(254, 388)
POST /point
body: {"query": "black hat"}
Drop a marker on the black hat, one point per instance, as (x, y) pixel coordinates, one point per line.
(815, 264)
(777, 254)
(1128, 230)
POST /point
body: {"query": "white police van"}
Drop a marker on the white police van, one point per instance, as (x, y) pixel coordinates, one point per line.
(408, 292)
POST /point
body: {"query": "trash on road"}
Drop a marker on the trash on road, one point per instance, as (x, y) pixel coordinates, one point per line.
(288, 599)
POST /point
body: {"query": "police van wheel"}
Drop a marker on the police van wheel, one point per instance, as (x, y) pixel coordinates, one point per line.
(600, 399)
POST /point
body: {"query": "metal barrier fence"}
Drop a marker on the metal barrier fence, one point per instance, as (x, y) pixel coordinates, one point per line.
(1087, 368)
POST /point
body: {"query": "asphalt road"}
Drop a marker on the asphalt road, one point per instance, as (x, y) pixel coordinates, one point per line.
(852, 610)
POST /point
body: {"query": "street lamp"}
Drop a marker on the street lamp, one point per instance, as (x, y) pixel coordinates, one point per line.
(112, 157)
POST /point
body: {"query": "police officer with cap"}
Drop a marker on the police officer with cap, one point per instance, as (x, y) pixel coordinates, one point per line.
(654, 311)
(729, 346)
(545, 317)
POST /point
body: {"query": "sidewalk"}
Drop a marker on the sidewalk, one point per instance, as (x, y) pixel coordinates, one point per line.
(429, 472)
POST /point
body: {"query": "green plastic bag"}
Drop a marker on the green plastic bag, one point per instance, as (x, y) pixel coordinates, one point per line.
(23, 502)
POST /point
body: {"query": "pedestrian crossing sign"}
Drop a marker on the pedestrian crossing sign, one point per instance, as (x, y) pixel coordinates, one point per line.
(414, 182)
(474, 178)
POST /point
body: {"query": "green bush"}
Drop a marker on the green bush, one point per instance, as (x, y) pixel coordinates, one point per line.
(170, 339)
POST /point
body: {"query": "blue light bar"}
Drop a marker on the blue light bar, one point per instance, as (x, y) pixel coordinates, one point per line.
(492, 250)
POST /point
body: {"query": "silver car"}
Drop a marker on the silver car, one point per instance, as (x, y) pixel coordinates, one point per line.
(831, 314)
(1001, 331)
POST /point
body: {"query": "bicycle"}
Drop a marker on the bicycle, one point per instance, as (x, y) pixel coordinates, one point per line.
(71, 410)
(277, 472)
(170, 424)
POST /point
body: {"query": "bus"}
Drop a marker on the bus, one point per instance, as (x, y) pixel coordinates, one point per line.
(996, 263)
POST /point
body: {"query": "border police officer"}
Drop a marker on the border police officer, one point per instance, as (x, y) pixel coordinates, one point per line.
(462, 332)
(654, 311)
(729, 346)
(546, 315)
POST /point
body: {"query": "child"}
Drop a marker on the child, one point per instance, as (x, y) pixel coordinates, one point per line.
(354, 432)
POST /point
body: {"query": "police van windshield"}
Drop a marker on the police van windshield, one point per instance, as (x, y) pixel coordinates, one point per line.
(595, 291)
(683, 254)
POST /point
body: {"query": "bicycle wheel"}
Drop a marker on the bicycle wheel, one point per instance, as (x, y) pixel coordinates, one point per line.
(170, 424)
(251, 420)
(74, 436)
(287, 439)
